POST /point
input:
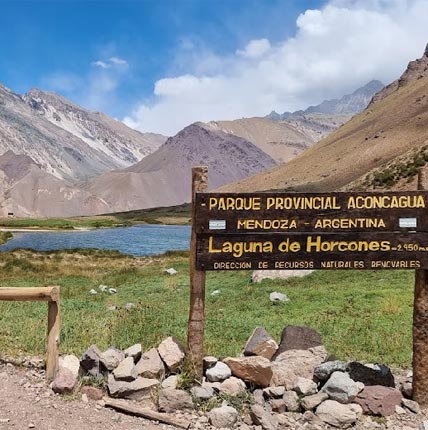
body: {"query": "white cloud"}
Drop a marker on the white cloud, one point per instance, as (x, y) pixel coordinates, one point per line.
(101, 64)
(118, 61)
(335, 50)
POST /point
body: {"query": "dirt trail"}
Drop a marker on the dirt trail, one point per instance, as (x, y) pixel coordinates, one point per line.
(26, 402)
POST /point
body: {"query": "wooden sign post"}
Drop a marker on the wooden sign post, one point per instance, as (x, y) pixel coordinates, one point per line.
(338, 230)
(196, 325)
(420, 324)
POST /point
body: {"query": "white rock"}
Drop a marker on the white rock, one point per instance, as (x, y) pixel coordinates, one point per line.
(278, 297)
(171, 271)
(70, 362)
(223, 417)
(219, 372)
(170, 382)
(126, 370)
(112, 290)
(337, 414)
(93, 292)
(103, 288)
(171, 352)
(304, 386)
(134, 351)
(215, 293)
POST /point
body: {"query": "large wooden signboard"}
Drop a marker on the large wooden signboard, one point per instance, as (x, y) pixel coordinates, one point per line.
(311, 231)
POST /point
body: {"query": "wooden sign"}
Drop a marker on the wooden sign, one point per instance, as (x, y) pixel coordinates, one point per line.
(311, 231)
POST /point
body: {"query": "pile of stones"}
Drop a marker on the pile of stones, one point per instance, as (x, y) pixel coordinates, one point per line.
(284, 386)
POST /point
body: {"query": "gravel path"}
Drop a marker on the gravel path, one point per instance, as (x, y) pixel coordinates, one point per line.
(26, 402)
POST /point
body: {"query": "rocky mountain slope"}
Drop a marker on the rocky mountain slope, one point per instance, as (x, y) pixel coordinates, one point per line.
(282, 140)
(349, 104)
(27, 190)
(65, 140)
(395, 123)
(163, 178)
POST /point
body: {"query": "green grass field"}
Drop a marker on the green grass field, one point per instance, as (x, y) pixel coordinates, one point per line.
(364, 315)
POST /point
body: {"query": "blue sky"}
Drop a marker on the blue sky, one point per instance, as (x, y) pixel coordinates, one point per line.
(162, 64)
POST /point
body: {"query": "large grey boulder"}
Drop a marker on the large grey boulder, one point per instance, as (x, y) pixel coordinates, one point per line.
(338, 415)
(341, 387)
(171, 400)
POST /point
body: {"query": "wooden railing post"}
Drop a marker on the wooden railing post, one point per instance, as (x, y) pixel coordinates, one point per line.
(195, 332)
(420, 324)
(52, 296)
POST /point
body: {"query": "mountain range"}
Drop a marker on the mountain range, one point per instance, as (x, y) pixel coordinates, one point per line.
(60, 159)
(381, 147)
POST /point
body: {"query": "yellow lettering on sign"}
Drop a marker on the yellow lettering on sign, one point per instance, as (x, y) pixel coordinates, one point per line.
(266, 224)
(344, 223)
(386, 202)
(299, 202)
(234, 203)
(238, 249)
(316, 244)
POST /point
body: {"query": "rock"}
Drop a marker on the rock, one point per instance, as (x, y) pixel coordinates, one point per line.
(263, 418)
(311, 402)
(70, 362)
(111, 358)
(259, 398)
(305, 387)
(412, 406)
(341, 387)
(202, 392)
(223, 417)
(85, 398)
(379, 375)
(172, 353)
(337, 414)
(135, 390)
(103, 288)
(126, 370)
(171, 400)
(151, 365)
(406, 389)
(209, 361)
(90, 361)
(171, 271)
(92, 393)
(129, 306)
(232, 386)
(379, 400)
(112, 290)
(170, 382)
(324, 370)
(219, 372)
(215, 293)
(278, 405)
(298, 362)
(259, 275)
(291, 400)
(274, 391)
(93, 292)
(64, 381)
(283, 376)
(260, 343)
(400, 411)
(276, 297)
(134, 351)
(297, 337)
(256, 370)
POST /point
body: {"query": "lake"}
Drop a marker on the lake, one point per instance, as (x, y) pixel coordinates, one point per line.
(137, 240)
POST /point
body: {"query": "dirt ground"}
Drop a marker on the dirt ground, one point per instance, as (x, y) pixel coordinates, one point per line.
(26, 402)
